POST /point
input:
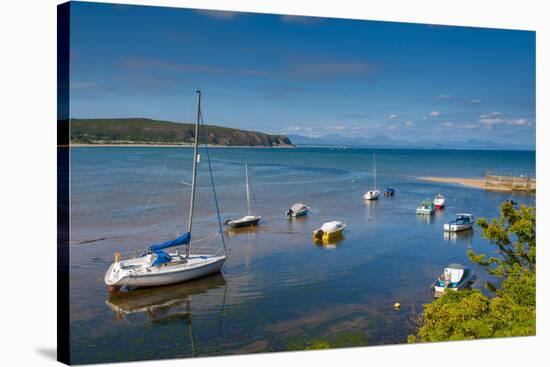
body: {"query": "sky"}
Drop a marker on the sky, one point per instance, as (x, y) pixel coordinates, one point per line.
(303, 75)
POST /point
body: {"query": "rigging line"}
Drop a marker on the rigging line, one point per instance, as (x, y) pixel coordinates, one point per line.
(153, 191)
(220, 327)
(212, 182)
(255, 207)
(155, 187)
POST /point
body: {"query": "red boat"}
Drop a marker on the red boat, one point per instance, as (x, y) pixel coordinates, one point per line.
(439, 201)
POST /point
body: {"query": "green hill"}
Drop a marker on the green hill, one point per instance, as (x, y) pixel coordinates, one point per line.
(147, 131)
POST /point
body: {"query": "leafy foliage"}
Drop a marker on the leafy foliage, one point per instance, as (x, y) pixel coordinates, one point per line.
(514, 234)
(339, 340)
(469, 314)
(141, 130)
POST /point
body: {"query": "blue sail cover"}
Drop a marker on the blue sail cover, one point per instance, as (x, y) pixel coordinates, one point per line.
(162, 258)
(181, 240)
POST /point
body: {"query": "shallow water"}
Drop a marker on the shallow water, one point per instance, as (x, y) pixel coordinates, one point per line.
(278, 290)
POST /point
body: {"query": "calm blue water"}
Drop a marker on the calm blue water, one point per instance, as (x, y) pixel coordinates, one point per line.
(278, 291)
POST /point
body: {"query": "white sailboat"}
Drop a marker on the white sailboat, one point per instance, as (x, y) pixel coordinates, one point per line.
(247, 220)
(156, 267)
(373, 194)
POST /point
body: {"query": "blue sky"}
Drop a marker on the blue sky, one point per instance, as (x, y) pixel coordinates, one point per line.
(301, 75)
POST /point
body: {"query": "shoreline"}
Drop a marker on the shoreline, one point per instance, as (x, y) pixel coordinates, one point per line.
(477, 183)
(154, 145)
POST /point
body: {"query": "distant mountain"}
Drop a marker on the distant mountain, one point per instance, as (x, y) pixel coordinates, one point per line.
(146, 131)
(382, 141)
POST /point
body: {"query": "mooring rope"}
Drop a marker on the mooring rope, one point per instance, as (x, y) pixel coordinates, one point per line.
(220, 225)
(153, 192)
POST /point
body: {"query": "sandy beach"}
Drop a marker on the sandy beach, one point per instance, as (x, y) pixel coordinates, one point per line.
(478, 183)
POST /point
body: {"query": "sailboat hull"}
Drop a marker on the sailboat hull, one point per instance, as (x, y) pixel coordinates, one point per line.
(198, 266)
(247, 221)
(371, 195)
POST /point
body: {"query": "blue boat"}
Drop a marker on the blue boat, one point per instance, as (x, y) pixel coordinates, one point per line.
(454, 277)
(390, 191)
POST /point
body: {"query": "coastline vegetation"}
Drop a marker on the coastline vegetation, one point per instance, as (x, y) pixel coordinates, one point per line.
(511, 308)
(133, 131)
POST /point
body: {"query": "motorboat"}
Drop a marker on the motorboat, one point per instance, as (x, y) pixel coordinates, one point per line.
(374, 193)
(156, 265)
(454, 277)
(462, 222)
(329, 231)
(439, 201)
(250, 219)
(390, 191)
(297, 210)
(426, 207)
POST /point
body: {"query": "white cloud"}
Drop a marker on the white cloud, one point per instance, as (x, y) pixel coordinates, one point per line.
(494, 118)
(409, 123)
(435, 113)
(218, 14)
(339, 127)
(489, 115)
(393, 116)
(294, 128)
(518, 122)
(470, 126)
(392, 127)
(446, 124)
(476, 101)
(444, 96)
(300, 19)
(490, 121)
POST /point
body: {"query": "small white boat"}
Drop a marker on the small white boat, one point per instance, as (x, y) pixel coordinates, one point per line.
(297, 210)
(373, 194)
(246, 221)
(155, 266)
(329, 231)
(462, 222)
(250, 219)
(426, 208)
(439, 201)
(454, 277)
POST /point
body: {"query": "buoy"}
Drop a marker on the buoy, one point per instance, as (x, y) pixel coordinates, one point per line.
(397, 305)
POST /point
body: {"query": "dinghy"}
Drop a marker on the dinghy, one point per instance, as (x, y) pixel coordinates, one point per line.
(462, 222)
(329, 231)
(439, 201)
(426, 207)
(155, 266)
(374, 193)
(247, 220)
(297, 210)
(390, 191)
(454, 277)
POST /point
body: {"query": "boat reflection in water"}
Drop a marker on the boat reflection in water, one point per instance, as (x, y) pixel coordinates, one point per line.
(459, 237)
(168, 303)
(329, 244)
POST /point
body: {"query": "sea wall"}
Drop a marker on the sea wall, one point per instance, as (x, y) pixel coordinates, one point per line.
(510, 182)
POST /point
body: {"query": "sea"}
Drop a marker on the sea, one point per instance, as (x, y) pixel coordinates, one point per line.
(279, 290)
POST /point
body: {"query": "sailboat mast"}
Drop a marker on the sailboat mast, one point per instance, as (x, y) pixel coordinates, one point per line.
(374, 165)
(195, 161)
(247, 190)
